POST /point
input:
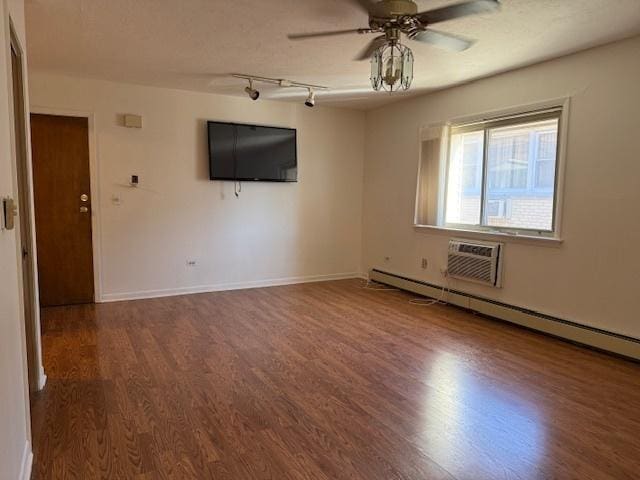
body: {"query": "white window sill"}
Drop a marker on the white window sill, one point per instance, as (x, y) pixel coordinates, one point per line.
(495, 236)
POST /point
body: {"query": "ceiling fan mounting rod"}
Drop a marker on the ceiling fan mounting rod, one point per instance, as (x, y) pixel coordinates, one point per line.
(393, 35)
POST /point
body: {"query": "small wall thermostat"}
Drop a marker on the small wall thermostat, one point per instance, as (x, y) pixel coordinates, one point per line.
(132, 121)
(134, 180)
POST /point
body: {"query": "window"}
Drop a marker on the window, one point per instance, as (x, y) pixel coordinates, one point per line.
(546, 159)
(501, 174)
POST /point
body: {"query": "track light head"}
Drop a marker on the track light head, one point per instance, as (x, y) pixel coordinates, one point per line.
(311, 99)
(253, 94)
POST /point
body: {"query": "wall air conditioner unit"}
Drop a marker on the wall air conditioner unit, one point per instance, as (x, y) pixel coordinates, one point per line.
(476, 261)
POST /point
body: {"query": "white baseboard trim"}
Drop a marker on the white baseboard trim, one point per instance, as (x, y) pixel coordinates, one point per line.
(171, 292)
(557, 327)
(27, 462)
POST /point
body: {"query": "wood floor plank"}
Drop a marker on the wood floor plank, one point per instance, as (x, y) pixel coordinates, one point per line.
(324, 381)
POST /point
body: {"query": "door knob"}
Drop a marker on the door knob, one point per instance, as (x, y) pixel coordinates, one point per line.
(83, 209)
(84, 197)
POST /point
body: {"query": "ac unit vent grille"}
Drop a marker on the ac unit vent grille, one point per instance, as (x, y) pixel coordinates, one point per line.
(474, 261)
(470, 267)
(475, 250)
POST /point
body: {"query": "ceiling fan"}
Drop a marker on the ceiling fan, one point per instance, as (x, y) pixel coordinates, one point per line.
(392, 62)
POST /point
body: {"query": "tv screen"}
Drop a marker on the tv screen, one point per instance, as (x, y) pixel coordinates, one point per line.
(252, 153)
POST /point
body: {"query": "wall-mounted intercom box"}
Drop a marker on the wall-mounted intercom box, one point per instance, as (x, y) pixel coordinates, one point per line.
(132, 121)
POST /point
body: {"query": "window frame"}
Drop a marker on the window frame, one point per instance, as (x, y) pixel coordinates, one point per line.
(557, 111)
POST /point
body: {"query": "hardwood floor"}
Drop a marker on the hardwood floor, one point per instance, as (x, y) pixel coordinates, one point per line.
(324, 381)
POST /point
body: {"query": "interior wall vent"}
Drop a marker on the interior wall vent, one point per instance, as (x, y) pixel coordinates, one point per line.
(475, 261)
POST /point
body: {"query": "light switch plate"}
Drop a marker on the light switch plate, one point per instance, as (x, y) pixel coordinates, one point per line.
(9, 212)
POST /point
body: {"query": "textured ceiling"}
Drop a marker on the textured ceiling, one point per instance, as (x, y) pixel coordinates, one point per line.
(195, 44)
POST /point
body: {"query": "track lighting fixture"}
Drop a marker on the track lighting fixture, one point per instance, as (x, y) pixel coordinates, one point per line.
(311, 99)
(253, 94)
(282, 83)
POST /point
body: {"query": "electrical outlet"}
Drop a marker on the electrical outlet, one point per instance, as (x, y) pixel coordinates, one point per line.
(424, 264)
(191, 263)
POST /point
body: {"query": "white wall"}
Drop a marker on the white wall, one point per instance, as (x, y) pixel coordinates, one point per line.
(594, 276)
(273, 232)
(15, 448)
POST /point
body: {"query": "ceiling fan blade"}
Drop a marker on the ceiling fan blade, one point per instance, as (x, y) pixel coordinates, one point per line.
(443, 40)
(371, 47)
(331, 33)
(458, 10)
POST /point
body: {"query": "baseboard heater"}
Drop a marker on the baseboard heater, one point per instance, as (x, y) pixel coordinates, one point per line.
(589, 336)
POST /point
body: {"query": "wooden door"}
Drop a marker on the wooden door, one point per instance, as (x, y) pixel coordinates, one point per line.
(61, 183)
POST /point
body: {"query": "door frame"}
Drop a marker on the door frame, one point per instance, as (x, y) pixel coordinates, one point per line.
(28, 284)
(95, 188)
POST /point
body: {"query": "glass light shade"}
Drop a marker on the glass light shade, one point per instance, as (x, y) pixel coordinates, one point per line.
(392, 67)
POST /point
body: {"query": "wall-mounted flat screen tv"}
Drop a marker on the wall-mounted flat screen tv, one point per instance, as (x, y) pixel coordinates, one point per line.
(243, 152)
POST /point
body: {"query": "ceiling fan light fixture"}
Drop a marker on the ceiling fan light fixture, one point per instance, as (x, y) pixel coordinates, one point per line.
(392, 67)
